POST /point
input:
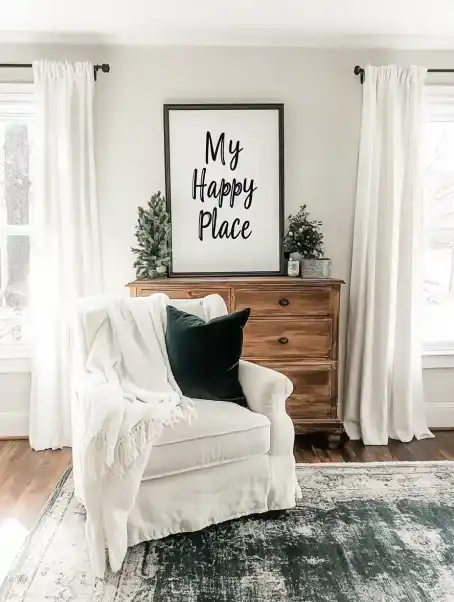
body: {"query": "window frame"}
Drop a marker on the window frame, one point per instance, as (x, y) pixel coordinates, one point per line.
(439, 108)
(17, 100)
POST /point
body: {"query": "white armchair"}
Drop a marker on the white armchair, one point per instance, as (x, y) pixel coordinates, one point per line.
(228, 461)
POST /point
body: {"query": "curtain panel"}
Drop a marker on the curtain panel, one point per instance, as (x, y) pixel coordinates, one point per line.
(65, 254)
(383, 395)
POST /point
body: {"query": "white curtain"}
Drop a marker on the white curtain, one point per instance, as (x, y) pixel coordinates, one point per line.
(65, 257)
(384, 396)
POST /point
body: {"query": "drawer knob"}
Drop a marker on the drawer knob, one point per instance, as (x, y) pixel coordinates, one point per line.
(283, 340)
(284, 302)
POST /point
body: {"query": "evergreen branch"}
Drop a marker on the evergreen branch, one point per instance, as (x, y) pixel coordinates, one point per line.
(152, 232)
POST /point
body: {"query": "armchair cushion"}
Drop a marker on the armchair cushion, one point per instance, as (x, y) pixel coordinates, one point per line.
(204, 355)
(218, 433)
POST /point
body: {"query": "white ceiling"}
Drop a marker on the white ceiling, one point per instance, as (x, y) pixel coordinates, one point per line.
(392, 23)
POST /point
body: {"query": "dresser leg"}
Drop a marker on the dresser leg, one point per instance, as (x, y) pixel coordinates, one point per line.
(333, 440)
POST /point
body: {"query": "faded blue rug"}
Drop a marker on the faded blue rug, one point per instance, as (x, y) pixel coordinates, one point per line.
(367, 532)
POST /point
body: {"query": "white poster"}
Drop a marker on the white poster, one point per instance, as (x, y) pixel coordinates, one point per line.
(224, 188)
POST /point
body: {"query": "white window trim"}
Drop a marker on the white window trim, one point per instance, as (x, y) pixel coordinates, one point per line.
(440, 107)
(437, 99)
(438, 356)
(10, 365)
(17, 100)
(15, 351)
(15, 358)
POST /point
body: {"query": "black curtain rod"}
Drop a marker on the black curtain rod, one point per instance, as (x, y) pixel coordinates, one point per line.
(359, 71)
(105, 67)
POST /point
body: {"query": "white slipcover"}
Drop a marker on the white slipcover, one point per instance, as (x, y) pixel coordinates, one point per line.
(228, 462)
(219, 432)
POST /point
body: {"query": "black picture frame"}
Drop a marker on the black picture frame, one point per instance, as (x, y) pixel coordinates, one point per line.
(279, 107)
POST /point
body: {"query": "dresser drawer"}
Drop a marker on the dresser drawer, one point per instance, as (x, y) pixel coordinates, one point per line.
(279, 338)
(312, 300)
(188, 293)
(314, 389)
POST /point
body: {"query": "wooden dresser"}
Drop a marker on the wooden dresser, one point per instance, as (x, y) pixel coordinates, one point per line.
(293, 328)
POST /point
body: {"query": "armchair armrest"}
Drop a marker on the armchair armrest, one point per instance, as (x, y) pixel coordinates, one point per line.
(266, 390)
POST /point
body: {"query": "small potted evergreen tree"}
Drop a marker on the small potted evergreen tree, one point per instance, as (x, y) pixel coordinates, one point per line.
(153, 239)
(304, 241)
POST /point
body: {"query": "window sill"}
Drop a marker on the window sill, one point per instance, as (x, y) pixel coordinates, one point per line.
(438, 357)
(15, 351)
(15, 358)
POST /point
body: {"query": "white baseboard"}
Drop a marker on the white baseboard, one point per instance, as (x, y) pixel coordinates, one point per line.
(440, 415)
(13, 425)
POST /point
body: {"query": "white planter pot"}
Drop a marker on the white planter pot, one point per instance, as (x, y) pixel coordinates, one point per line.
(159, 272)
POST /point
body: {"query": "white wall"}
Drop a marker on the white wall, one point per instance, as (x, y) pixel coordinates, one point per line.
(322, 101)
(439, 394)
(14, 396)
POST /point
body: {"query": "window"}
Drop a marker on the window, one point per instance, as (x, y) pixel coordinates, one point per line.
(16, 135)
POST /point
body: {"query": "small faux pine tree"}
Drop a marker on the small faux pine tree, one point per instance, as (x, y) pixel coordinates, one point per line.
(304, 235)
(153, 239)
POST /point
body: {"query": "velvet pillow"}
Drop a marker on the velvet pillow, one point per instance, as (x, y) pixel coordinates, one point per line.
(204, 356)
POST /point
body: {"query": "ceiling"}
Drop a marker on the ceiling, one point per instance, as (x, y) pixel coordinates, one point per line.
(348, 23)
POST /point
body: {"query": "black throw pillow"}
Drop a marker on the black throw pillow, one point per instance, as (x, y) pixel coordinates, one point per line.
(204, 356)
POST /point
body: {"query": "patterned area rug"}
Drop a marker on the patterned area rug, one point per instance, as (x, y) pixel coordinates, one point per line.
(368, 532)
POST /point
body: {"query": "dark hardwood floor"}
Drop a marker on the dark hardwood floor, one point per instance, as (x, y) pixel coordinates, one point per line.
(27, 479)
(314, 449)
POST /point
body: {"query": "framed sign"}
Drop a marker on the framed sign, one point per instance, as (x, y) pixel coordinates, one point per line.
(225, 188)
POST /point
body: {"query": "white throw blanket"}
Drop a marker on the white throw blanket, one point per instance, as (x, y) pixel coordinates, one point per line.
(128, 396)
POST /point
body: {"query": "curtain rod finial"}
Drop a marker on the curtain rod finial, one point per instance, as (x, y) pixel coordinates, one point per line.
(359, 71)
(105, 68)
